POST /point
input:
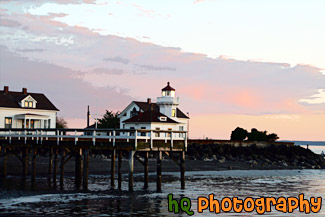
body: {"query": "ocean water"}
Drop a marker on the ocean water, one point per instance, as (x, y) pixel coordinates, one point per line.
(102, 201)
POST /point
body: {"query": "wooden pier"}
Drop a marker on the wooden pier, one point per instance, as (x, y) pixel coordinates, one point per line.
(66, 144)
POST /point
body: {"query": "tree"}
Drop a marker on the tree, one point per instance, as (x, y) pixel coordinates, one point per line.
(109, 120)
(273, 137)
(256, 135)
(61, 123)
(239, 134)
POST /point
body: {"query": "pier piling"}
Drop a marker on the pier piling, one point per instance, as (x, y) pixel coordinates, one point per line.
(113, 169)
(131, 169)
(33, 174)
(5, 159)
(119, 173)
(50, 161)
(24, 164)
(159, 157)
(182, 167)
(85, 169)
(146, 169)
(55, 166)
(78, 168)
(62, 169)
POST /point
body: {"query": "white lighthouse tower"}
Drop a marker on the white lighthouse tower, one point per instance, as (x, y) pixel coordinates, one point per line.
(168, 102)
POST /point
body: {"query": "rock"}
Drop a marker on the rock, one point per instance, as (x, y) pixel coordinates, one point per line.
(222, 159)
(284, 164)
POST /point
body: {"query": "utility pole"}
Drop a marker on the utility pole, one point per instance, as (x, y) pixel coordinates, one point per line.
(88, 116)
(188, 125)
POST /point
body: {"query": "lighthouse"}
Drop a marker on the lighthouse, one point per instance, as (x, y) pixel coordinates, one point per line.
(168, 101)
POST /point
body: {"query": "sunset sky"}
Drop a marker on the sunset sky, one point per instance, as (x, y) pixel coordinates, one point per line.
(252, 63)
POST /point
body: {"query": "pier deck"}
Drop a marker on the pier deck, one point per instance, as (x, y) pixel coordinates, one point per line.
(78, 143)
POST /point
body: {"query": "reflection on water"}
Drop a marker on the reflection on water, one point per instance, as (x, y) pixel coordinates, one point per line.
(100, 200)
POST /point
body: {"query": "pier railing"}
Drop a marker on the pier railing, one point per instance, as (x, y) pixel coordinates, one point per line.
(136, 138)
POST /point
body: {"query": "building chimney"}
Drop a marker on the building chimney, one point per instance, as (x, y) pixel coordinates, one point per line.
(149, 100)
(25, 91)
(6, 89)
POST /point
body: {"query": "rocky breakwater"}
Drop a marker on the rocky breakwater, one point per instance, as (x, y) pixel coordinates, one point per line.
(253, 157)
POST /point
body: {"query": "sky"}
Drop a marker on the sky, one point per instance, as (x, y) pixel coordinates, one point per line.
(253, 63)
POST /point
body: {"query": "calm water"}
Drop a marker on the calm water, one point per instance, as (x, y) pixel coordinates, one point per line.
(104, 202)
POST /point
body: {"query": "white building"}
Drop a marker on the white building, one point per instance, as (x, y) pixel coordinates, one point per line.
(26, 110)
(162, 115)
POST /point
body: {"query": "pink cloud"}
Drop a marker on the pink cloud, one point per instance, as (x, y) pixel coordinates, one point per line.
(204, 84)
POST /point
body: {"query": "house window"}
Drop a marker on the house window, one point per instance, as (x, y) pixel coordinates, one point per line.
(8, 123)
(169, 134)
(45, 124)
(157, 134)
(28, 104)
(32, 124)
(49, 123)
(181, 128)
(134, 112)
(131, 133)
(173, 113)
(163, 118)
(143, 133)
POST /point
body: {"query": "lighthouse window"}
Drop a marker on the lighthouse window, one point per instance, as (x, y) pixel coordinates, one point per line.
(168, 93)
(173, 113)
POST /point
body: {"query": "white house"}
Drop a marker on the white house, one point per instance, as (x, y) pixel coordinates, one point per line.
(162, 115)
(26, 110)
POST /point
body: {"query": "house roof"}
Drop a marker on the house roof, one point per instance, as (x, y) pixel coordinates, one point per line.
(168, 87)
(146, 107)
(11, 99)
(180, 114)
(93, 126)
(148, 117)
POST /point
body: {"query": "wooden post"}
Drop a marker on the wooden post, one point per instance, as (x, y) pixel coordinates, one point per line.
(33, 175)
(85, 169)
(113, 169)
(25, 164)
(131, 165)
(62, 169)
(78, 168)
(119, 173)
(50, 161)
(182, 165)
(146, 170)
(5, 159)
(55, 166)
(159, 157)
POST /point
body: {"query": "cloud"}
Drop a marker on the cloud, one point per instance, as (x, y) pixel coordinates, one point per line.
(9, 23)
(108, 71)
(200, 1)
(61, 85)
(117, 59)
(317, 98)
(205, 85)
(31, 50)
(156, 68)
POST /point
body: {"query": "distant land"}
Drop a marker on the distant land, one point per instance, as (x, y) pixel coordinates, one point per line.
(312, 143)
(316, 146)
